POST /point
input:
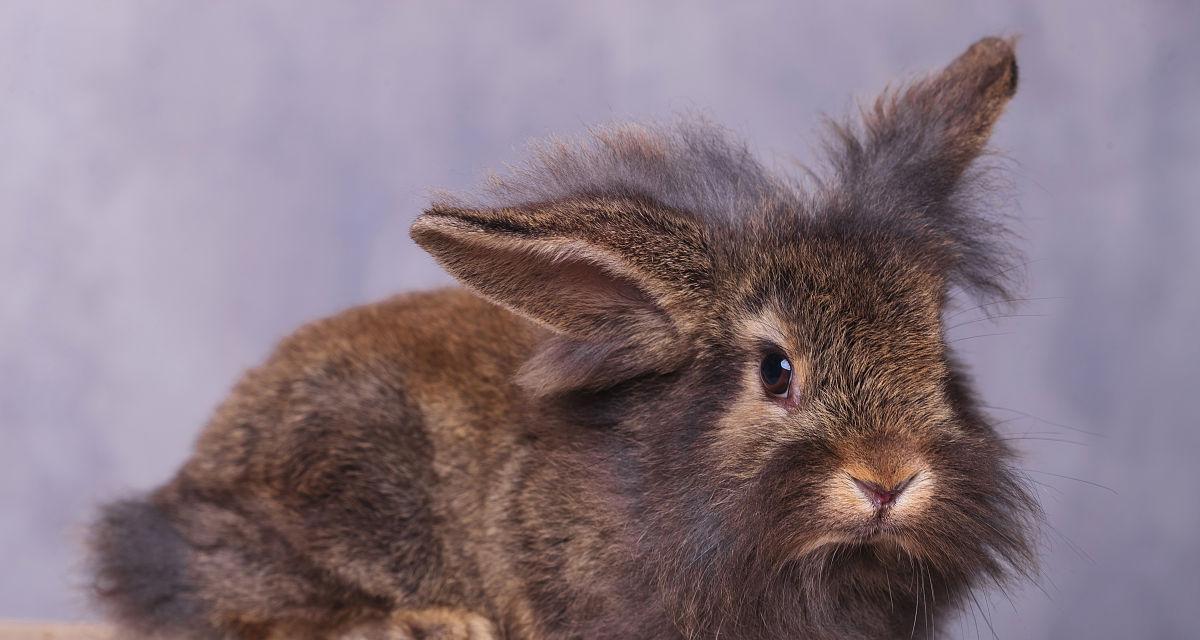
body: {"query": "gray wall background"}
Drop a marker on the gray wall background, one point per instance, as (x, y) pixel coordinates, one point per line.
(183, 183)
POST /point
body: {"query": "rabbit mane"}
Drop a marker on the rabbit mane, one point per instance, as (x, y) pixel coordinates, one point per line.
(691, 165)
(703, 171)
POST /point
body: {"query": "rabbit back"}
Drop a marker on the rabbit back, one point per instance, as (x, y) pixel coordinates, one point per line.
(346, 477)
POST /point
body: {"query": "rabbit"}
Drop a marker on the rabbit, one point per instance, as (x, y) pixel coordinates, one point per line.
(678, 395)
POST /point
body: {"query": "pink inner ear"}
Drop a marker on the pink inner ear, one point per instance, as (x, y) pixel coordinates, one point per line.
(629, 334)
(573, 289)
(599, 301)
(596, 285)
(609, 324)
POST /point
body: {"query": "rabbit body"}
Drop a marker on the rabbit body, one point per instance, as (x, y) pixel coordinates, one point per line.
(378, 462)
(679, 397)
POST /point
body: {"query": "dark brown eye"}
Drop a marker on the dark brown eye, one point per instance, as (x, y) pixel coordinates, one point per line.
(776, 372)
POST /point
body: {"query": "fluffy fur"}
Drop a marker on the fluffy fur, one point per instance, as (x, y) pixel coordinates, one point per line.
(578, 445)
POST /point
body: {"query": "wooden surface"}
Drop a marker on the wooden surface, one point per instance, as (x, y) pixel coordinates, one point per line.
(53, 631)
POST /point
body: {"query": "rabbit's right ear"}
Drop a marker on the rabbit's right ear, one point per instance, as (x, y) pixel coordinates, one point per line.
(612, 278)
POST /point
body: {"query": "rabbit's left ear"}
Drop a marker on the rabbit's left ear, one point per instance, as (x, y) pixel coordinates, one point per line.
(612, 278)
(908, 160)
(918, 142)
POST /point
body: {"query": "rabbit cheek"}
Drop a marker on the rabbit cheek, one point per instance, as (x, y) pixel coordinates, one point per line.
(756, 424)
(751, 431)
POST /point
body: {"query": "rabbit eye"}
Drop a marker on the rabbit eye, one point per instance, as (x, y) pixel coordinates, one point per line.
(776, 373)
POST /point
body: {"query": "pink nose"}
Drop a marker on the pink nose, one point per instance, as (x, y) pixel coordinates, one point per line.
(879, 496)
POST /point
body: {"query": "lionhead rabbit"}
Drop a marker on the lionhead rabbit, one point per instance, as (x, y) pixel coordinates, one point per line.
(679, 397)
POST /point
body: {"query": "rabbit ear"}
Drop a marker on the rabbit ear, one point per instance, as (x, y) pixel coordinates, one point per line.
(908, 162)
(919, 141)
(611, 278)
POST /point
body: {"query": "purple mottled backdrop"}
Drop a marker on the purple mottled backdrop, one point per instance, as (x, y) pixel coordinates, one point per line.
(183, 183)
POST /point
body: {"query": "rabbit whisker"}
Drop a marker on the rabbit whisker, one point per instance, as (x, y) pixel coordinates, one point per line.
(1004, 301)
(1087, 482)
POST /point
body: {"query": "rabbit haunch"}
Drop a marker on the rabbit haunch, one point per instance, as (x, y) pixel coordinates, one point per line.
(579, 443)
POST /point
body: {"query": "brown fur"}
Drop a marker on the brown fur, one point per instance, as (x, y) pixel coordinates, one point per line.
(579, 445)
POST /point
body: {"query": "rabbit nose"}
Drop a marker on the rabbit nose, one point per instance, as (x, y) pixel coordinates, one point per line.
(880, 496)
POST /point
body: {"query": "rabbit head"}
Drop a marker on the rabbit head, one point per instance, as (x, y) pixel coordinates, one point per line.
(771, 354)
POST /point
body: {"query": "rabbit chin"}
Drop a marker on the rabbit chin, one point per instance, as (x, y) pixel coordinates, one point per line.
(882, 541)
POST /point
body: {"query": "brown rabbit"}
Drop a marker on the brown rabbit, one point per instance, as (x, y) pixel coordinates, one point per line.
(679, 397)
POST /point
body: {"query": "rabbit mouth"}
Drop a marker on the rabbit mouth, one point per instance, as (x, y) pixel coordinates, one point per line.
(880, 534)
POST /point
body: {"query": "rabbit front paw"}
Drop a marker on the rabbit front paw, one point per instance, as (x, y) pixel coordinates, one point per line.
(427, 624)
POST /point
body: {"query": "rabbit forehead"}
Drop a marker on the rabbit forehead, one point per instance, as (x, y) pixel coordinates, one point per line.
(817, 292)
